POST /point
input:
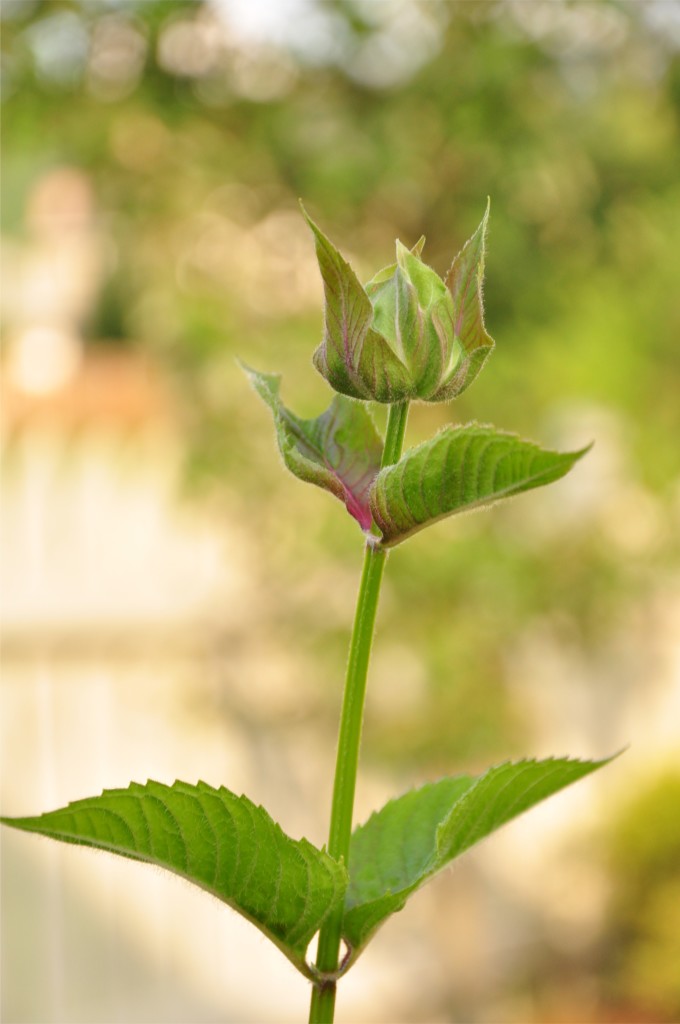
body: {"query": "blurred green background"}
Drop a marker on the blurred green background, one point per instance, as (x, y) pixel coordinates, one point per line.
(153, 156)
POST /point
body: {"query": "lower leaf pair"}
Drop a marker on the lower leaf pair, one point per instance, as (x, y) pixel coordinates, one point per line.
(286, 887)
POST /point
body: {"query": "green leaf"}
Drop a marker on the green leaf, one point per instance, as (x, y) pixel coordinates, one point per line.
(459, 469)
(339, 450)
(413, 837)
(221, 842)
(354, 358)
(464, 281)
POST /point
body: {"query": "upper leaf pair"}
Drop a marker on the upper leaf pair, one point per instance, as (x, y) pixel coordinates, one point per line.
(408, 334)
(459, 469)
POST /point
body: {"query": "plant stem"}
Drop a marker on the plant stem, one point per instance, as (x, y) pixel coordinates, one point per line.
(349, 739)
(394, 434)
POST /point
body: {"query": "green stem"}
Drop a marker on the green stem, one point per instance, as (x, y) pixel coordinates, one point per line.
(349, 739)
(394, 434)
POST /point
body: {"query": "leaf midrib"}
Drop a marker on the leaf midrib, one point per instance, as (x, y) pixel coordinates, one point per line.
(466, 507)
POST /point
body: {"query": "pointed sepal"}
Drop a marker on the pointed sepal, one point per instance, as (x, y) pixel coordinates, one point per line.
(414, 311)
(464, 281)
(353, 357)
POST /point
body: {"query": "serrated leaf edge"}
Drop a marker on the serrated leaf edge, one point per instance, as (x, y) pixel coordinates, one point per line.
(472, 506)
(431, 869)
(303, 846)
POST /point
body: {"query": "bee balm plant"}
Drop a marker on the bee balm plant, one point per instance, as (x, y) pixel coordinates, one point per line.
(407, 335)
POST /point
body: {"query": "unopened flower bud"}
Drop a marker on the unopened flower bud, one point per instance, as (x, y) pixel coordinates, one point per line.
(408, 334)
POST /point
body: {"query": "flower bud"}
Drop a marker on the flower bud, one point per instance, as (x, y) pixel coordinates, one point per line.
(408, 334)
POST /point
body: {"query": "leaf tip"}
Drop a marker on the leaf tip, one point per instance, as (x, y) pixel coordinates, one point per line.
(316, 231)
(419, 246)
(242, 365)
(578, 454)
(265, 384)
(402, 251)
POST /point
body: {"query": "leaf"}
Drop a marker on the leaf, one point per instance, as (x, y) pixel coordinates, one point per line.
(413, 837)
(339, 450)
(354, 358)
(464, 281)
(221, 842)
(459, 469)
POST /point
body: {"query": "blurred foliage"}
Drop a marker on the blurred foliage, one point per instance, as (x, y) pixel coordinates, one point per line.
(643, 924)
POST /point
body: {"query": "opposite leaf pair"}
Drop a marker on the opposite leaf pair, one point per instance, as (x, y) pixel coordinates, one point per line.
(457, 470)
(286, 887)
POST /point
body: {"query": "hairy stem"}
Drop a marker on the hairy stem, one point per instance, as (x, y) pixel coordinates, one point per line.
(349, 739)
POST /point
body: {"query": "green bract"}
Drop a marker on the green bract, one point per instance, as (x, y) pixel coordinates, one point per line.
(408, 334)
(339, 451)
